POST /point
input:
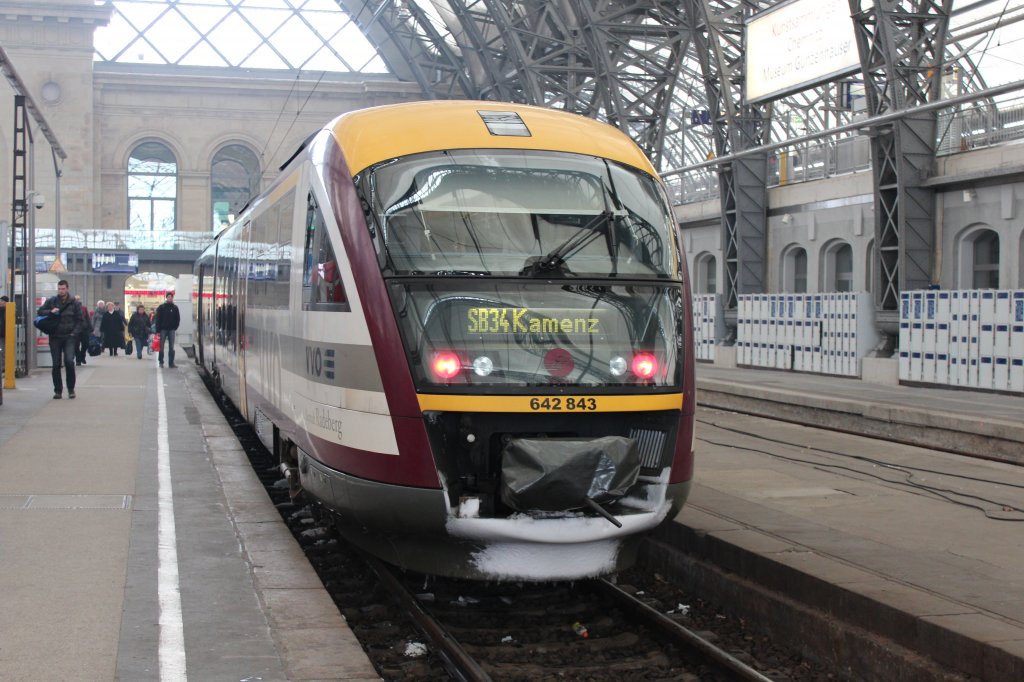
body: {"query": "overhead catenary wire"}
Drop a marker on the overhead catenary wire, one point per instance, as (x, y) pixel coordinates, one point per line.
(284, 105)
(298, 113)
(992, 33)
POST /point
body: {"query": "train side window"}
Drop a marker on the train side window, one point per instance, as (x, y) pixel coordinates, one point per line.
(322, 287)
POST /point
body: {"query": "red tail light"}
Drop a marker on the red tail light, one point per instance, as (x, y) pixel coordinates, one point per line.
(446, 365)
(644, 365)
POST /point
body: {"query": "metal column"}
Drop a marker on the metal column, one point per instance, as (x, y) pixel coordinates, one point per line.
(901, 44)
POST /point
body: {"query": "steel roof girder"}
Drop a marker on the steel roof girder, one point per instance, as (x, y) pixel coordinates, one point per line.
(410, 46)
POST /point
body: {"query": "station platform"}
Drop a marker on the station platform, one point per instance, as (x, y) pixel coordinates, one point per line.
(975, 423)
(918, 545)
(99, 585)
(902, 561)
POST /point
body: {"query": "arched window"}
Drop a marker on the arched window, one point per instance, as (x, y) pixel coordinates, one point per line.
(152, 187)
(978, 258)
(844, 268)
(985, 273)
(707, 274)
(837, 267)
(794, 270)
(234, 180)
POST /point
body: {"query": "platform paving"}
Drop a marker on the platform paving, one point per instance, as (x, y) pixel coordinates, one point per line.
(974, 423)
(79, 551)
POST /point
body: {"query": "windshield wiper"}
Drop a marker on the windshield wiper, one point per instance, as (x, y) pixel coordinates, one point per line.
(554, 261)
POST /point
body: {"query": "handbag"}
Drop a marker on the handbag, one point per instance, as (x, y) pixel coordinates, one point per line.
(95, 346)
(128, 347)
(47, 323)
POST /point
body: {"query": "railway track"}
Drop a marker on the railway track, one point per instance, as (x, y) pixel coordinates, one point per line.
(418, 628)
(524, 633)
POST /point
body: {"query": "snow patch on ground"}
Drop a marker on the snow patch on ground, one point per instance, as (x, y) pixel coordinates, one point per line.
(529, 561)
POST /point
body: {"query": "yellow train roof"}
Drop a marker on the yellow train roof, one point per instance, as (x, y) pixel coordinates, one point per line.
(371, 135)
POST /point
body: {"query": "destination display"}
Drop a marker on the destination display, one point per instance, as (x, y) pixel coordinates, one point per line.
(566, 321)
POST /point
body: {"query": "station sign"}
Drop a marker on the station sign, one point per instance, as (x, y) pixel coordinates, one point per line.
(44, 260)
(115, 262)
(798, 44)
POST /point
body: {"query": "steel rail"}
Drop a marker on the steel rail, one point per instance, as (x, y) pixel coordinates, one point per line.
(460, 664)
(680, 634)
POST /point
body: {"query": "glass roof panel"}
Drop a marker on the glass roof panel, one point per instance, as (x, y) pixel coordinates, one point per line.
(264, 57)
(203, 55)
(327, 24)
(205, 18)
(265, 20)
(276, 34)
(296, 42)
(235, 39)
(176, 38)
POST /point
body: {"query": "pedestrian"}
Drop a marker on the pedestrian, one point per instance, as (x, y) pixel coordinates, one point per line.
(97, 317)
(112, 328)
(167, 320)
(138, 327)
(62, 340)
(82, 340)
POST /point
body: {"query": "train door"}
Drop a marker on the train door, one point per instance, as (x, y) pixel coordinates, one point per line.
(242, 279)
(200, 311)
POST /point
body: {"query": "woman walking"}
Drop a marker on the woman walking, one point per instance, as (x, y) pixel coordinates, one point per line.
(112, 327)
(138, 327)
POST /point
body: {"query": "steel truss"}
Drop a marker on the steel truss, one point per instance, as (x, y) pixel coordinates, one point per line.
(902, 44)
(628, 62)
(670, 75)
(737, 126)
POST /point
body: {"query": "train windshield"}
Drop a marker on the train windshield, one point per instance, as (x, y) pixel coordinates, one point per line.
(520, 213)
(505, 336)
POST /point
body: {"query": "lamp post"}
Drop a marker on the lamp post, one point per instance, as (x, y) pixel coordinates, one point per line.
(33, 201)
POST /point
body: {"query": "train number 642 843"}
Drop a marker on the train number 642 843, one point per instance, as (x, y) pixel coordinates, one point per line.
(563, 404)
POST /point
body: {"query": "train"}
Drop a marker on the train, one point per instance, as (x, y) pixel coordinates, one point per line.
(464, 331)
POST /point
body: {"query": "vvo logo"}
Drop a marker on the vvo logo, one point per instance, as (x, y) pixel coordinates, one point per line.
(320, 362)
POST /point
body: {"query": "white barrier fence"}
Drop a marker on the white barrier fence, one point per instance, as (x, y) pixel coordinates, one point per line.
(821, 333)
(972, 338)
(708, 324)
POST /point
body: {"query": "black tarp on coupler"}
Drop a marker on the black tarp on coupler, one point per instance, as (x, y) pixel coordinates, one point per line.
(559, 474)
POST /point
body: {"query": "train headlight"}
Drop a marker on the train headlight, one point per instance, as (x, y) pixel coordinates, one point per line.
(483, 366)
(644, 365)
(446, 365)
(617, 366)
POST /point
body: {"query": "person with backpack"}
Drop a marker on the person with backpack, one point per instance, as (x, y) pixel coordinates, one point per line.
(69, 324)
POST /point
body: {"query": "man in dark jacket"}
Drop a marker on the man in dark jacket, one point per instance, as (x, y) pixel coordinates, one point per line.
(166, 322)
(62, 340)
